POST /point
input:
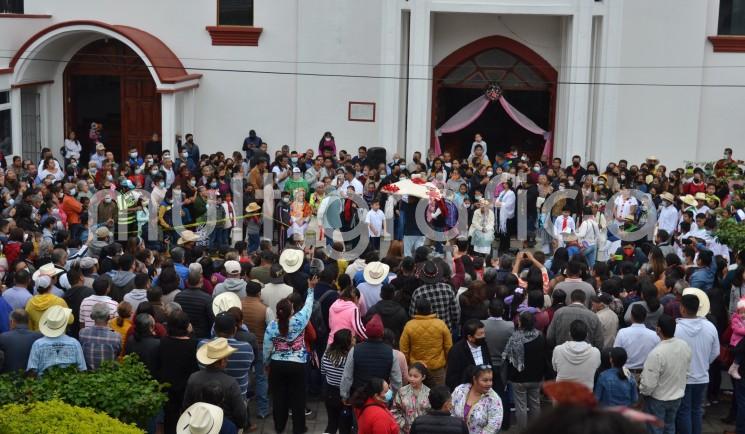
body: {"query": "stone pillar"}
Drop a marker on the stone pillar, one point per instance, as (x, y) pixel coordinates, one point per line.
(168, 122)
(579, 74)
(420, 88)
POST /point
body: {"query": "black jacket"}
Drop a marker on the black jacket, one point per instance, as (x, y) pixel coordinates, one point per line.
(198, 305)
(393, 315)
(537, 362)
(438, 422)
(459, 360)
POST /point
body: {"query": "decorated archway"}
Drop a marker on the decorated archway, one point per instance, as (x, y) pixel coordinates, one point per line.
(39, 70)
(523, 76)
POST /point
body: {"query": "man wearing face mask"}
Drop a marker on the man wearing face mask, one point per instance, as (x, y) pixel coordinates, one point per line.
(192, 149)
(134, 158)
(72, 208)
(185, 159)
(126, 203)
(107, 210)
(297, 181)
(471, 350)
(576, 168)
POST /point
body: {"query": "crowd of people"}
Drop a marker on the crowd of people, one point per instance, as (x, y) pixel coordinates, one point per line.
(423, 337)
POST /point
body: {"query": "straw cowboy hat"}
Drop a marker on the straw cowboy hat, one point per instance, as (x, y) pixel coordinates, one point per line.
(700, 196)
(376, 272)
(214, 351)
(652, 158)
(224, 301)
(688, 200)
(704, 306)
(103, 232)
(187, 236)
(46, 270)
(54, 321)
(253, 207)
(291, 260)
(200, 418)
(668, 196)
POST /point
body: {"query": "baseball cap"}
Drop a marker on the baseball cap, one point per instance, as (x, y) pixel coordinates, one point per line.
(232, 267)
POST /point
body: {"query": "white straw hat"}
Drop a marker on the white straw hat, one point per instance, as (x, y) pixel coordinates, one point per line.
(200, 418)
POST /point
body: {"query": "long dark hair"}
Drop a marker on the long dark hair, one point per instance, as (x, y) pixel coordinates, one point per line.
(618, 358)
(738, 280)
(560, 260)
(373, 387)
(340, 347)
(649, 294)
(284, 312)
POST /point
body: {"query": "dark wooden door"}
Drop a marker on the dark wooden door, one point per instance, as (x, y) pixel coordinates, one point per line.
(140, 112)
(139, 102)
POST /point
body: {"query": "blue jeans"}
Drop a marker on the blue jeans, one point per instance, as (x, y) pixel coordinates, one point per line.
(253, 242)
(691, 411)
(591, 254)
(411, 243)
(740, 400)
(665, 411)
(262, 387)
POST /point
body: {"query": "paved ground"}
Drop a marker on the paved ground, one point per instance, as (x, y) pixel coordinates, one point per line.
(316, 423)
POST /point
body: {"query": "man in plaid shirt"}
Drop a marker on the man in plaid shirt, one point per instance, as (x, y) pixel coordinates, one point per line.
(99, 342)
(440, 294)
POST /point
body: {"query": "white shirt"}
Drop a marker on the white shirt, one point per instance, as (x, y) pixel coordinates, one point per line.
(638, 341)
(623, 207)
(665, 371)
(279, 171)
(559, 224)
(354, 183)
(375, 221)
(703, 210)
(589, 231)
(473, 149)
(271, 293)
(668, 219)
(72, 148)
(170, 176)
(478, 357)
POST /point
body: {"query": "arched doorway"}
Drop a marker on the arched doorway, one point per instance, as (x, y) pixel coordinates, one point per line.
(528, 82)
(46, 85)
(108, 83)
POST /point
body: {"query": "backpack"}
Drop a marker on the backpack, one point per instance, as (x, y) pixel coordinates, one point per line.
(316, 315)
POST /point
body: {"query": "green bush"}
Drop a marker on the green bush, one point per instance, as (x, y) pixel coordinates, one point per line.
(125, 390)
(732, 234)
(56, 417)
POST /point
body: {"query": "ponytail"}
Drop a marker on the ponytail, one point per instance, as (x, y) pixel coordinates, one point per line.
(284, 312)
(618, 359)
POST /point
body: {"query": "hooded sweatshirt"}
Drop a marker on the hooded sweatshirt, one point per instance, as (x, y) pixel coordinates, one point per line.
(135, 297)
(121, 283)
(231, 284)
(38, 304)
(576, 361)
(701, 336)
(344, 314)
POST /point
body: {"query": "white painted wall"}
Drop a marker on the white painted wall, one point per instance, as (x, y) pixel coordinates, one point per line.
(541, 33)
(674, 123)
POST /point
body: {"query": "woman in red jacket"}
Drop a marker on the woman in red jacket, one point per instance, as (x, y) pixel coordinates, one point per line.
(371, 408)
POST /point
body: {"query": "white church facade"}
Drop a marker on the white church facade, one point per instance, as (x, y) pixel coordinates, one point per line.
(608, 79)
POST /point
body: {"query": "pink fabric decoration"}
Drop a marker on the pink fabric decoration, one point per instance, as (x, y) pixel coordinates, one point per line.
(465, 117)
(468, 114)
(529, 125)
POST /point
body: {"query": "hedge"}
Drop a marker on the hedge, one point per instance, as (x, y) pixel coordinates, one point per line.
(124, 391)
(56, 417)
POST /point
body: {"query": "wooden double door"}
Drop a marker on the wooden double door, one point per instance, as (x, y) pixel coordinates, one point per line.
(106, 82)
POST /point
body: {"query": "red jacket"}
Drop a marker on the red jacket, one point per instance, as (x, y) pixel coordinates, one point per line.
(374, 418)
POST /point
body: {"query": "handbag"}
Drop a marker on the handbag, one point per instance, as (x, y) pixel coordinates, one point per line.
(726, 354)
